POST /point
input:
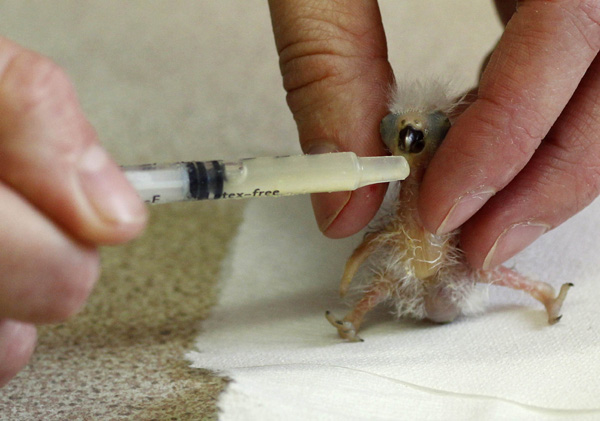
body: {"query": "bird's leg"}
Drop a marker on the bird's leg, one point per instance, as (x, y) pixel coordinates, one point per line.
(349, 325)
(360, 254)
(541, 291)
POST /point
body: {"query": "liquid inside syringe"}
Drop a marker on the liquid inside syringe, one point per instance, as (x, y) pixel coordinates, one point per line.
(262, 177)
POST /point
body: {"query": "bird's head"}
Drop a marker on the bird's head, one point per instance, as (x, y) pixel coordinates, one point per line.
(414, 135)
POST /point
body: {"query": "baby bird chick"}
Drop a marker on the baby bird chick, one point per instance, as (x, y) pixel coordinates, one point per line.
(423, 275)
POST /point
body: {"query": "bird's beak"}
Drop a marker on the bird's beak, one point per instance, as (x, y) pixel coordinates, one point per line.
(388, 131)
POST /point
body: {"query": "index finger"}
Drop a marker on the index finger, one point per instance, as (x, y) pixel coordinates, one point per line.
(50, 154)
(333, 59)
(538, 63)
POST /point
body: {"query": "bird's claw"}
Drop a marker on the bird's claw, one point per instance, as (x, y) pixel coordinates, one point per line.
(345, 328)
(553, 306)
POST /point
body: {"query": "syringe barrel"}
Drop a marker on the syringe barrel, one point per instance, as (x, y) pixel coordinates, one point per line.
(262, 177)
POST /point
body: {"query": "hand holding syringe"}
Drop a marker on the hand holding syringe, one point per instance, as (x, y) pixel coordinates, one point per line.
(262, 177)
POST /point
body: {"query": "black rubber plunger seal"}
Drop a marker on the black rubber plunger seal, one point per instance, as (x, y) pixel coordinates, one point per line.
(206, 179)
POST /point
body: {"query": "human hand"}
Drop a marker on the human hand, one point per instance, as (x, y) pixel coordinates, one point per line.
(524, 156)
(333, 60)
(527, 139)
(61, 196)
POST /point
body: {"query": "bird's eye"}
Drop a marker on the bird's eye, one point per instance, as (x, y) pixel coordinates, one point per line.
(411, 140)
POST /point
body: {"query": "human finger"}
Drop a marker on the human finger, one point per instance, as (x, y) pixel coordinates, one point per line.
(17, 341)
(45, 275)
(50, 154)
(540, 59)
(333, 59)
(562, 178)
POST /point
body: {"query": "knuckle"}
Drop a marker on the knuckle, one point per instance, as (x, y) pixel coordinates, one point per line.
(37, 94)
(71, 284)
(307, 69)
(321, 80)
(326, 51)
(325, 31)
(31, 80)
(314, 58)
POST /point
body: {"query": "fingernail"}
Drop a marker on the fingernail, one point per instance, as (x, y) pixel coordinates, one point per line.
(327, 206)
(463, 209)
(322, 147)
(107, 190)
(514, 239)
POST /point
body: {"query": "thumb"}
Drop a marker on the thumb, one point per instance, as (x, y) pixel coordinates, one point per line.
(333, 59)
(50, 154)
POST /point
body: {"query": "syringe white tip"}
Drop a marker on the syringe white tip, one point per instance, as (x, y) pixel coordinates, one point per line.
(263, 177)
(382, 169)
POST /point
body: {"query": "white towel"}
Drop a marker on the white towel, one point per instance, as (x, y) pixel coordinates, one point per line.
(269, 334)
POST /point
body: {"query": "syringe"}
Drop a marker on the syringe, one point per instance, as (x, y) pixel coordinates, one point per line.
(262, 177)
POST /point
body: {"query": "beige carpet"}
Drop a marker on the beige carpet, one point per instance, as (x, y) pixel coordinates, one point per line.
(122, 356)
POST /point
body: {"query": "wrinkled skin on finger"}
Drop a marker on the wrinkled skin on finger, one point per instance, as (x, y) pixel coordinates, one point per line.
(333, 59)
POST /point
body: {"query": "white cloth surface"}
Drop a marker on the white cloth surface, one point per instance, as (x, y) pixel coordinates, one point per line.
(269, 334)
